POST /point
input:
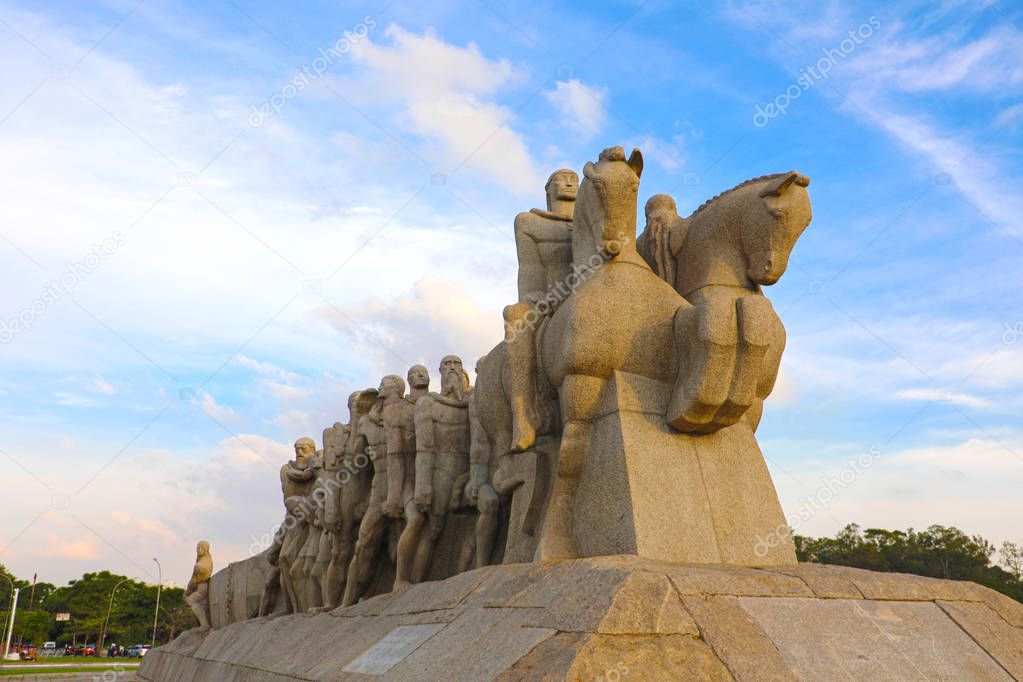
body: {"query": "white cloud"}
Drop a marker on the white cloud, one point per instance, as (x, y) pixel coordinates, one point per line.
(945, 395)
(268, 369)
(101, 385)
(581, 107)
(447, 95)
(436, 318)
(208, 404)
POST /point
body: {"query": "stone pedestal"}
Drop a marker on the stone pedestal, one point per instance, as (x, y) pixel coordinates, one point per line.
(651, 491)
(627, 618)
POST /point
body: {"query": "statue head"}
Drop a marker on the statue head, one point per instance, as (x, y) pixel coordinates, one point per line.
(202, 548)
(391, 386)
(454, 380)
(606, 207)
(777, 221)
(418, 377)
(562, 186)
(660, 206)
(305, 448)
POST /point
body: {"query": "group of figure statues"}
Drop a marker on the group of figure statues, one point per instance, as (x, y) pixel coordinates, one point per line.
(380, 489)
(680, 306)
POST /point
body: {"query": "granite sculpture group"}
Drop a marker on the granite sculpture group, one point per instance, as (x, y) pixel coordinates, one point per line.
(616, 416)
(596, 506)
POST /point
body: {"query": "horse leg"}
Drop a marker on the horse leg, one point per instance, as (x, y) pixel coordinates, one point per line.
(579, 394)
(707, 335)
(754, 315)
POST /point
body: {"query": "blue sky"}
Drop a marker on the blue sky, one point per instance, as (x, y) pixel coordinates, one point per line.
(259, 267)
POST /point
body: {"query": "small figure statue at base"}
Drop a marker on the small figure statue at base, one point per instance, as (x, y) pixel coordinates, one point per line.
(197, 594)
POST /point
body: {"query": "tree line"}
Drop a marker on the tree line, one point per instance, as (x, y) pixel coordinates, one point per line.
(938, 552)
(86, 600)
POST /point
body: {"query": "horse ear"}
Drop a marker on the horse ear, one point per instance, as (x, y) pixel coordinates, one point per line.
(636, 161)
(589, 171)
(778, 185)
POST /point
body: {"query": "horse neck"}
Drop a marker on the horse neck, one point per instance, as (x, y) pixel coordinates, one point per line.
(713, 254)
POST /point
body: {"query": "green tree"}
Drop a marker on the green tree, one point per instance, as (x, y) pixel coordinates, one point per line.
(939, 552)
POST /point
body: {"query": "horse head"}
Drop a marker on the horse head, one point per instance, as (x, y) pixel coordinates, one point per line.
(605, 208)
(743, 237)
(774, 224)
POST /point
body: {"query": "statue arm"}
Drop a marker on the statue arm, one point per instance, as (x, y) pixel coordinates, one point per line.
(299, 475)
(531, 271)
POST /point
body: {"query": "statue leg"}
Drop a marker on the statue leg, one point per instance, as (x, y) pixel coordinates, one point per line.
(334, 580)
(520, 373)
(287, 588)
(488, 504)
(707, 338)
(271, 592)
(557, 541)
(298, 582)
(323, 564)
(442, 487)
(200, 604)
(360, 571)
(579, 396)
(314, 590)
(408, 543)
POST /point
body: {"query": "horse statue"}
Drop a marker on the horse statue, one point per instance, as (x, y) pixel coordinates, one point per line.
(725, 251)
(617, 358)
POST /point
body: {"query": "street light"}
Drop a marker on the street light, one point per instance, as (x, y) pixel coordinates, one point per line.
(3, 656)
(159, 585)
(106, 622)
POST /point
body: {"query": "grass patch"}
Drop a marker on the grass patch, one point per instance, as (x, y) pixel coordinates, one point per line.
(50, 670)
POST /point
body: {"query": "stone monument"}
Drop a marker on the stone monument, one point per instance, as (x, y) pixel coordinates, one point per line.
(596, 506)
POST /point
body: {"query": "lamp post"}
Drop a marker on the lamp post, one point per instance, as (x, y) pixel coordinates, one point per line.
(156, 614)
(10, 628)
(106, 622)
(6, 577)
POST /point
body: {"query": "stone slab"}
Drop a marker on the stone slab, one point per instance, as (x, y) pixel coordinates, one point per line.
(865, 639)
(625, 617)
(392, 649)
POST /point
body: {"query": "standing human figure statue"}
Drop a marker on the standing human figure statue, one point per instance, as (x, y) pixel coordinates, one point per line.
(296, 532)
(311, 568)
(399, 420)
(543, 243)
(343, 512)
(325, 491)
(442, 456)
(197, 593)
(296, 475)
(376, 520)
